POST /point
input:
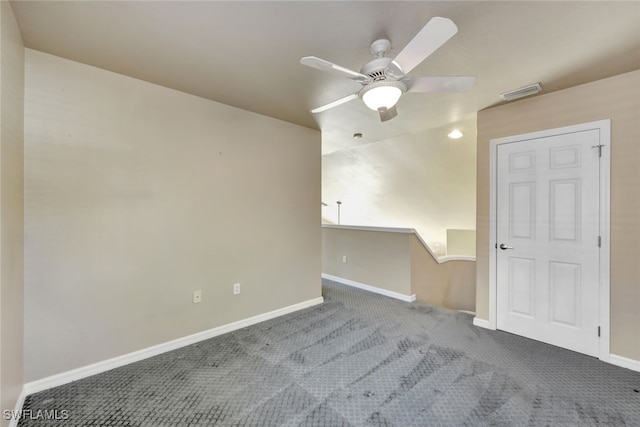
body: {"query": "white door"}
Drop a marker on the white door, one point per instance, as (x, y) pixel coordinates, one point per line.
(548, 239)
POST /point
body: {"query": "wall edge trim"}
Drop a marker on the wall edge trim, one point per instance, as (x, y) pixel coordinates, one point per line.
(482, 323)
(145, 353)
(374, 289)
(18, 408)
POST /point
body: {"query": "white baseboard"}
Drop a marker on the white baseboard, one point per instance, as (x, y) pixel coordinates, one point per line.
(125, 359)
(482, 323)
(473, 313)
(385, 292)
(613, 359)
(624, 362)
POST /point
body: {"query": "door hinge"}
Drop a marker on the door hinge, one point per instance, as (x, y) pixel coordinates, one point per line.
(599, 241)
(599, 147)
(598, 330)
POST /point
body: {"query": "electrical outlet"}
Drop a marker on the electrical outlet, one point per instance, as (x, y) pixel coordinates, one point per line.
(344, 259)
(236, 288)
(197, 296)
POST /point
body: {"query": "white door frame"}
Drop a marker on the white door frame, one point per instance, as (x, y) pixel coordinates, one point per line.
(604, 127)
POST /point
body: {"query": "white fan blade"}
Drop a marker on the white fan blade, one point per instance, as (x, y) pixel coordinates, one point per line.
(387, 113)
(321, 64)
(428, 40)
(440, 84)
(335, 103)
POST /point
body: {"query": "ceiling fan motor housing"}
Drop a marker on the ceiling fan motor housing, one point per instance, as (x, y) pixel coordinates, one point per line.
(375, 68)
(378, 69)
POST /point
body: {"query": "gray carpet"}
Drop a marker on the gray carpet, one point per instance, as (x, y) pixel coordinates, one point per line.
(359, 359)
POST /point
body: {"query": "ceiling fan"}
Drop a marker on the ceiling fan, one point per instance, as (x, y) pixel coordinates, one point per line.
(384, 79)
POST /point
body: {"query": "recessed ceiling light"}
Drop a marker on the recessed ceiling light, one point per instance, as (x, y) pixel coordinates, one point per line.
(455, 134)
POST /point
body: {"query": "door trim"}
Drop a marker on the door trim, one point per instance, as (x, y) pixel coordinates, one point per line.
(604, 128)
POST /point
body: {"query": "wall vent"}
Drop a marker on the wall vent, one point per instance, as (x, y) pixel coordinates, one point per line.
(521, 92)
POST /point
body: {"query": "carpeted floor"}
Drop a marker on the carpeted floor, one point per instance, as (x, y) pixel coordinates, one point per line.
(358, 359)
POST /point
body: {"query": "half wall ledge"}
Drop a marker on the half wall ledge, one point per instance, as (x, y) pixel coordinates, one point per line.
(438, 259)
(398, 262)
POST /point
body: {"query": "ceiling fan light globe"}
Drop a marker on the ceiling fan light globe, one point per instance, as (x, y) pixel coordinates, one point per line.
(384, 94)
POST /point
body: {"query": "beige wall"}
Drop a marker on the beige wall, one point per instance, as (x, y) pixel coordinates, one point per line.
(137, 195)
(461, 242)
(11, 209)
(396, 260)
(376, 258)
(616, 98)
(449, 284)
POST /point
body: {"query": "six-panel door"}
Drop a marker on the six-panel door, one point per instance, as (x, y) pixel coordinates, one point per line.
(547, 223)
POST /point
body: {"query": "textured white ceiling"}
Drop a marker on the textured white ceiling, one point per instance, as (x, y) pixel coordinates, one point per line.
(246, 54)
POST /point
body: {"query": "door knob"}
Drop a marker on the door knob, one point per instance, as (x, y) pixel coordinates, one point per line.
(505, 247)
